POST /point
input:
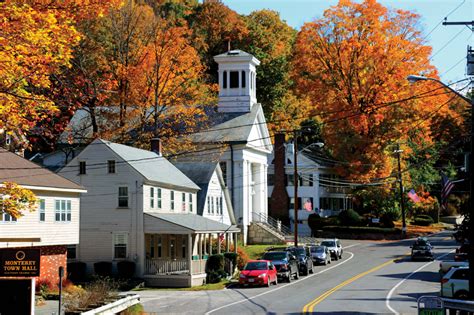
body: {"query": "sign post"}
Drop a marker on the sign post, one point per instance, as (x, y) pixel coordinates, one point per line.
(61, 274)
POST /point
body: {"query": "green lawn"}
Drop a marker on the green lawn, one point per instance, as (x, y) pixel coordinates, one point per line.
(210, 286)
(255, 251)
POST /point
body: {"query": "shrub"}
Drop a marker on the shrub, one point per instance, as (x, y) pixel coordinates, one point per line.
(232, 257)
(103, 268)
(76, 271)
(361, 229)
(215, 263)
(96, 293)
(242, 257)
(423, 221)
(386, 220)
(350, 218)
(44, 287)
(126, 269)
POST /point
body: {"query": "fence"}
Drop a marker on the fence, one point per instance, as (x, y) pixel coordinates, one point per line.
(158, 266)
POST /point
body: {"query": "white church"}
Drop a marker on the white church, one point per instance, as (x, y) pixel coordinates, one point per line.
(240, 129)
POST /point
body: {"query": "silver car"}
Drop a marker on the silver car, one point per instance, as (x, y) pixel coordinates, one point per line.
(320, 255)
(334, 246)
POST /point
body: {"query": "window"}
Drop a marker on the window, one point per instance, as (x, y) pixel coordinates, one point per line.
(271, 179)
(5, 217)
(62, 210)
(461, 274)
(234, 79)
(183, 202)
(224, 80)
(123, 197)
(190, 202)
(292, 203)
(208, 204)
(291, 180)
(71, 251)
(172, 200)
(307, 180)
(42, 210)
(152, 246)
(82, 168)
(120, 245)
(152, 197)
(223, 166)
(111, 166)
(159, 198)
(243, 79)
(212, 205)
(159, 246)
(183, 248)
(220, 204)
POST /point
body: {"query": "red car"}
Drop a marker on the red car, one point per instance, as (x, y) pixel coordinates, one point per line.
(258, 272)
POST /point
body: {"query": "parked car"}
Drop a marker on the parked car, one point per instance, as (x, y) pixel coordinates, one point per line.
(334, 246)
(258, 272)
(419, 251)
(305, 263)
(445, 266)
(320, 255)
(461, 257)
(455, 283)
(285, 264)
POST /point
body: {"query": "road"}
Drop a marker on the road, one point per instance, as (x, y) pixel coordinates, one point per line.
(372, 278)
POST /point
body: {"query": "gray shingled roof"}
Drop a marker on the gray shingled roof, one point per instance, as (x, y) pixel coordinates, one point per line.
(229, 127)
(194, 222)
(16, 169)
(151, 166)
(200, 173)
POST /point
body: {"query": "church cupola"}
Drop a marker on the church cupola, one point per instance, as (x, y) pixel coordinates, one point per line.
(237, 81)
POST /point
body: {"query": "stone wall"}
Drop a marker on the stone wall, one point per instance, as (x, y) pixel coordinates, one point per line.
(259, 235)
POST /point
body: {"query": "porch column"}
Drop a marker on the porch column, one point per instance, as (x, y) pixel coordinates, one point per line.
(227, 242)
(210, 244)
(204, 236)
(218, 243)
(190, 253)
(235, 242)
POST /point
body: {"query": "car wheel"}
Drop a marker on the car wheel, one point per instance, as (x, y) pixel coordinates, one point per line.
(340, 256)
(312, 269)
(336, 258)
(288, 277)
(269, 283)
(297, 274)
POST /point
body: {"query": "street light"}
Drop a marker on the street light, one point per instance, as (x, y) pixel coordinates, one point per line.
(402, 200)
(296, 177)
(416, 78)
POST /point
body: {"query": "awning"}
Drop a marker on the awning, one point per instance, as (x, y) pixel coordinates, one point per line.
(183, 223)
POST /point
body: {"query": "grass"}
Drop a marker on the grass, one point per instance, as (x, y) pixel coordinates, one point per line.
(255, 251)
(417, 230)
(206, 287)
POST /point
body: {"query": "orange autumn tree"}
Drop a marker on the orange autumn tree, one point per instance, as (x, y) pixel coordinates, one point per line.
(353, 63)
(15, 199)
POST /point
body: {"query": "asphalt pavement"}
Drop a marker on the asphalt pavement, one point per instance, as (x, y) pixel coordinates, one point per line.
(372, 278)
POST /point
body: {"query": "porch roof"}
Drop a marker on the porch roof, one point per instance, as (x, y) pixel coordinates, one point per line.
(183, 223)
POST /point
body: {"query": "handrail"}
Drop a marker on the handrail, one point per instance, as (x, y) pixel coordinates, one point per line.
(460, 305)
(275, 225)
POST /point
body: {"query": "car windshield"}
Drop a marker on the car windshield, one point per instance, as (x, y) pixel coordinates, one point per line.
(256, 265)
(299, 251)
(318, 249)
(274, 256)
(328, 243)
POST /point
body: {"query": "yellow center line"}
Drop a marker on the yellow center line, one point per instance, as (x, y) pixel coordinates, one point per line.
(308, 308)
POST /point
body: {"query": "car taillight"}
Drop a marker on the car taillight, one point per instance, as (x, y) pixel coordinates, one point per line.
(444, 280)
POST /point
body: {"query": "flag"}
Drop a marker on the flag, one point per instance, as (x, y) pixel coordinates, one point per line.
(446, 187)
(221, 237)
(413, 196)
(308, 206)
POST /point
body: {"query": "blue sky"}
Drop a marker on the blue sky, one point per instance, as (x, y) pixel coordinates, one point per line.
(449, 42)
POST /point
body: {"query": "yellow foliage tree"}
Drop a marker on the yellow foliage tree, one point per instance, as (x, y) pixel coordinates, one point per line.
(15, 199)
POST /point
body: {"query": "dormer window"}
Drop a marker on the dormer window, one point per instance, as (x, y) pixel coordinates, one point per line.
(111, 166)
(82, 167)
(234, 79)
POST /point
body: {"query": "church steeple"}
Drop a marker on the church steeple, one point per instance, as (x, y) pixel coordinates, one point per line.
(237, 81)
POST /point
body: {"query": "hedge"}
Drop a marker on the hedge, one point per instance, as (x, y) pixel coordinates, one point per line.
(423, 220)
(350, 217)
(126, 269)
(361, 229)
(103, 268)
(215, 263)
(77, 271)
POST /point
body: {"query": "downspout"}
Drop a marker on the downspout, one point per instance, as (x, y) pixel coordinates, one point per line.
(230, 208)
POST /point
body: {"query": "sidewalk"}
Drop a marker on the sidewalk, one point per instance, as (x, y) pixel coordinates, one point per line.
(49, 308)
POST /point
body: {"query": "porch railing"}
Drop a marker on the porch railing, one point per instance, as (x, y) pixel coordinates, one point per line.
(161, 266)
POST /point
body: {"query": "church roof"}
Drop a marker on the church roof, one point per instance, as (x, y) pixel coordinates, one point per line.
(229, 127)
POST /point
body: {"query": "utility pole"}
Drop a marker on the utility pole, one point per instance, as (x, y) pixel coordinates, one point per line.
(296, 179)
(402, 199)
(471, 172)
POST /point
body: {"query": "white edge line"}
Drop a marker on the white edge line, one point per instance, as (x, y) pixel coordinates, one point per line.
(389, 295)
(284, 286)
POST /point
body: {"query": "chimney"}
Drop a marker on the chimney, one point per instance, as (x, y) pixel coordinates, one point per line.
(279, 201)
(156, 145)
